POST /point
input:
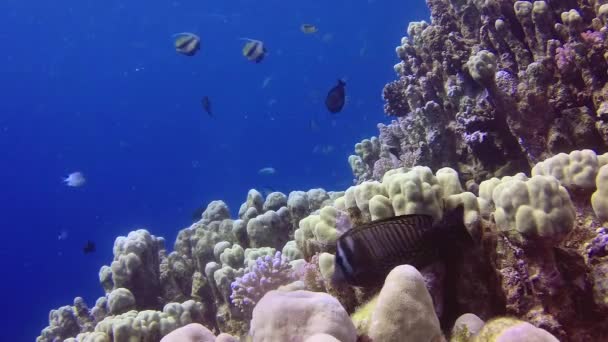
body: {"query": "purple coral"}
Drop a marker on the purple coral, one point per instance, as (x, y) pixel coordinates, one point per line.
(310, 274)
(343, 223)
(565, 58)
(267, 274)
(475, 137)
(593, 38)
(599, 245)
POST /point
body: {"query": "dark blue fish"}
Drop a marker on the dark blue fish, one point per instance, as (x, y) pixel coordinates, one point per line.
(336, 97)
(367, 253)
(206, 103)
(89, 247)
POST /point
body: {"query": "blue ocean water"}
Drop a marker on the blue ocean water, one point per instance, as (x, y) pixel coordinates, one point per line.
(97, 87)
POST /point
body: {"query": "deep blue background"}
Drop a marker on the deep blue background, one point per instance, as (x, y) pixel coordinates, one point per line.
(96, 86)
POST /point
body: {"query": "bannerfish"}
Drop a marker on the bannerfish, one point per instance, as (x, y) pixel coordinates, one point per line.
(89, 247)
(206, 103)
(367, 253)
(254, 50)
(308, 28)
(266, 171)
(187, 43)
(75, 179)
(335, 98)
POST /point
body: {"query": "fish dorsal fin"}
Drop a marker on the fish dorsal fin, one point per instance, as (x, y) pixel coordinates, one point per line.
(411, 219)
(395, 240)
(250, 40)
(184, 34)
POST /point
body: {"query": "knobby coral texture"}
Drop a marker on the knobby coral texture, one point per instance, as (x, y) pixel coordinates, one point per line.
(493, 87)
(538, 256)
(268, 273)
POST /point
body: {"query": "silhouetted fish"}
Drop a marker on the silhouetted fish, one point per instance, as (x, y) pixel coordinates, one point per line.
(335, 97)
(366, 254)
(89, 247)
(187, 43)
(206, 102)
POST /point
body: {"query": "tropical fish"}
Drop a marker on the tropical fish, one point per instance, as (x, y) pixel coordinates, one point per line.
(206, 102)
(367, 253)
(254, 50)
(308, 28)
(335, 98)
(89, 247)
(266, 171)
(187, 43)
(75, 179)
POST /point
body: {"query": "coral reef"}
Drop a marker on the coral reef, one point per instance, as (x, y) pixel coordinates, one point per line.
(297, 315)
(207, 258)
(404, 310)
(267, 274)
(488, 93)
(492, 87)
(538, 266)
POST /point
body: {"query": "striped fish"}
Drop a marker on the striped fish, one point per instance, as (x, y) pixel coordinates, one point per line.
(366, 254)
(187, 43)
(254, 50)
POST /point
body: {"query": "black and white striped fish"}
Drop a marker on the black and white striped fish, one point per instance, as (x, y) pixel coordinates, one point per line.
(187, 43)
(254, 50)
(367, 253)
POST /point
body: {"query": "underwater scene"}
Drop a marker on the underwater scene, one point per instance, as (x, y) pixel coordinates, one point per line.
(315, 171)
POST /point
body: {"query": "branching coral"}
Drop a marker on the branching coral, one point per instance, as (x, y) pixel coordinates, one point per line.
(267, 274)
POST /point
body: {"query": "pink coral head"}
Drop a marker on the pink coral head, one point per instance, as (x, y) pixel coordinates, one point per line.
(593, 37)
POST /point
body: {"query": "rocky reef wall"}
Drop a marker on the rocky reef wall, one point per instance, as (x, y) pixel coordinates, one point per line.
(492, 87)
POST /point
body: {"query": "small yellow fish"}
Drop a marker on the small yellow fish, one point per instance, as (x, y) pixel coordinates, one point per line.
(308, 28)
